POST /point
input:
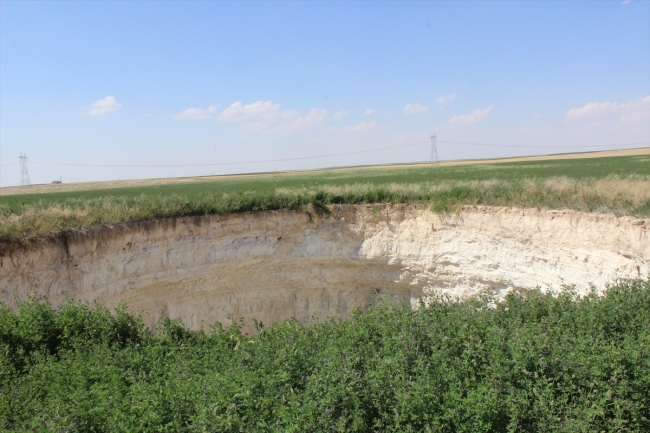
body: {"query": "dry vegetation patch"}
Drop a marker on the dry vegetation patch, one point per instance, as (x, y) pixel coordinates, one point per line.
(622, 195)
(620, 185)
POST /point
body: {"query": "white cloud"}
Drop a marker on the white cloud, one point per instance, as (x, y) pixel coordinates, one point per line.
(267, 117)
(340, 114)
(626, 2)
(536, 116)
(472, 117)
(196, 113)
(237, 112)
(292, 120)
(316, 115)
(371, 111)
(591, 109)
(361, 127)
(106, 105)
(446, 98)
(640, 116)
(637, 110)
(415, 109)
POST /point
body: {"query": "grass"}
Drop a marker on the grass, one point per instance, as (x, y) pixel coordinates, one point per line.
(620, 185)
(534, 363)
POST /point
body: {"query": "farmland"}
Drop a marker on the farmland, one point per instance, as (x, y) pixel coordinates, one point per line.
(616, 184)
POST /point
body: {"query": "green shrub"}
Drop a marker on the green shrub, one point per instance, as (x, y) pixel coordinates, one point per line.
(533, 363)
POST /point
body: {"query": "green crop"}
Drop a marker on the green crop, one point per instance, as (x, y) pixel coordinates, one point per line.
(533, 363)
(620, 185)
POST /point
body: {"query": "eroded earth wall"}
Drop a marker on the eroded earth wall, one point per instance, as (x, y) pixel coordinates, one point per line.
(275, 265)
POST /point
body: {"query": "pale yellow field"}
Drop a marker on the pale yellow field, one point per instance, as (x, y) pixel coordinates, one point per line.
(81, 186)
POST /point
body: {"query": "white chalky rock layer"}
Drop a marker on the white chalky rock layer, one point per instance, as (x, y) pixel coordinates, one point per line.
(276, 265)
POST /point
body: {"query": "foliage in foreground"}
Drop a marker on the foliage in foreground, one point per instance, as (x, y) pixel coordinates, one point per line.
(533, 363)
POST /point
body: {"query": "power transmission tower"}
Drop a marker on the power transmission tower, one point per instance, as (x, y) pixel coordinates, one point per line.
(24, 174)
(434, 150)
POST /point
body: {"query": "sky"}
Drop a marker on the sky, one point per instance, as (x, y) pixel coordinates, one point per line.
(126, 90)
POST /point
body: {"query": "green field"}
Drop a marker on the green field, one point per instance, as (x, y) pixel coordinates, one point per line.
(534, 363)
(617, 184)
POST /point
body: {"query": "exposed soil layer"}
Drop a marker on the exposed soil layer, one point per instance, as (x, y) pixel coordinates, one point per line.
(276, 265)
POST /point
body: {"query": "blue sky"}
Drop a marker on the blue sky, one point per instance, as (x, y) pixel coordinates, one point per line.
(188, 83)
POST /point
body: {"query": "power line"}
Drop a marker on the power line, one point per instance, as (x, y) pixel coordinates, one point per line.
(335, 154)
(235, 163)
(537, 146)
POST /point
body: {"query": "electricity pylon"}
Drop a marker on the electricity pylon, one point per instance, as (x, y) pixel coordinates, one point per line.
(24, 174)
(434, 150)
